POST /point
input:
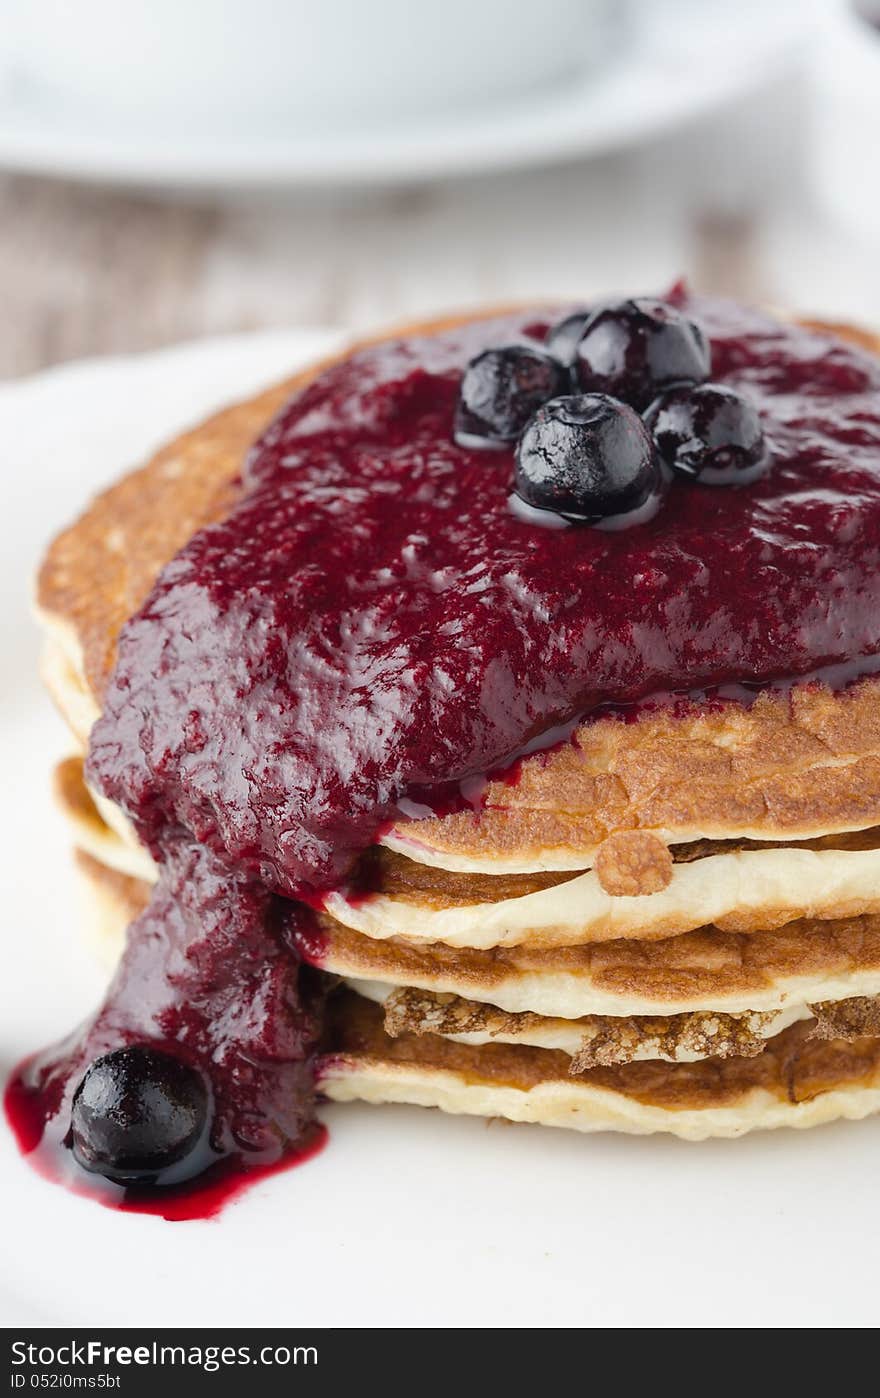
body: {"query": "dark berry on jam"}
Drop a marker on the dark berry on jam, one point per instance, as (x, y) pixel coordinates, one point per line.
(138, 1113)
(564, 337)
(501, 389)
(636, 349)
(710, 432)
(586, 457)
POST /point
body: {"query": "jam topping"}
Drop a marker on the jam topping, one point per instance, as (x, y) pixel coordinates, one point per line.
(210, 992)
(373, 627)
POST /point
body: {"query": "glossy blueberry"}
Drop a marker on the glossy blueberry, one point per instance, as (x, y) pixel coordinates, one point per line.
(501, 389)
(710, 432)
(138, 1112)
(636, 349)
(586, 456)
(564, 337)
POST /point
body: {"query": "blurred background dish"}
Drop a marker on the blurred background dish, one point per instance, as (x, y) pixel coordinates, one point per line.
(237, 94)
(152, 191)
(233, 67)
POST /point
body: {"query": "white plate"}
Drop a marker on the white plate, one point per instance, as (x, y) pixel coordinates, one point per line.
(686, 60)
(408, 1217)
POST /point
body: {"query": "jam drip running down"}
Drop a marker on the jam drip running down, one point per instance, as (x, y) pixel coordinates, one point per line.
(210, 975)
(373, 626)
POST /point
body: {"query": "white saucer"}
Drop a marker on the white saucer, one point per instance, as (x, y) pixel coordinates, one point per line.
(673, 74)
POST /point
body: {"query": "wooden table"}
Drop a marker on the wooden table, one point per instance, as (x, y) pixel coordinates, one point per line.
(87, 271)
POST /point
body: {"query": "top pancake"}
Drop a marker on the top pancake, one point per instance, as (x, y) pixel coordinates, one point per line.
(787, 767)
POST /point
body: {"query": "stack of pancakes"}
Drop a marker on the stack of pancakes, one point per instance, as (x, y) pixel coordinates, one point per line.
(665, 923)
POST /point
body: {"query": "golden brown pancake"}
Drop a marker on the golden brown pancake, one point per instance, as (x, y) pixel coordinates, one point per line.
(738, 886)
(708, 968)
(793, 1067)
(796, 1081)
(603, 1040)
(703, 970)
(671, 888)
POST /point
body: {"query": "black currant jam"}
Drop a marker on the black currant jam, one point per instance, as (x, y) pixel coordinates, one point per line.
(372, 629)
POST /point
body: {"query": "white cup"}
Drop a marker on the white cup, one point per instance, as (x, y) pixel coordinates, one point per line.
(300, 65)
(846, 127)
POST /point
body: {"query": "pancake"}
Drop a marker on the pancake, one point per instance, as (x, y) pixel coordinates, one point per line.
(590, 1041)
(114, 846)
(791, 766)
(746, 890)
(602, 1040)
(667, 920)
(704, 969)
(692, 975)
(795, 1081)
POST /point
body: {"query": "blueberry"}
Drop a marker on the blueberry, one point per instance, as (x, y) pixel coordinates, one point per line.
(138, 1112)
(586, 456)
(636, 349)
(710, 432)
(563, 338)
(501, 389)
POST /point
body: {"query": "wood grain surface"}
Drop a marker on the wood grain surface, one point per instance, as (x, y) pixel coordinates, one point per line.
(88, 271)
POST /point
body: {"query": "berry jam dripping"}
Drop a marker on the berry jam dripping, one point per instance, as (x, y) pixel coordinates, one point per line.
(372, 630)
(212, 976)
